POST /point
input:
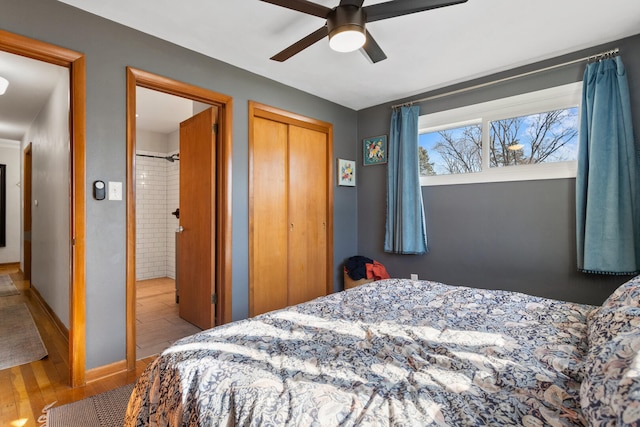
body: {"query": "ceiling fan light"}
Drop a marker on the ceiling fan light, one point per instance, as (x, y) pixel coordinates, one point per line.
(347, 39)
(345, 25)
(4, 84)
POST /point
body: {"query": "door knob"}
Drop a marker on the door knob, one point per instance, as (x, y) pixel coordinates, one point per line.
(180, 229)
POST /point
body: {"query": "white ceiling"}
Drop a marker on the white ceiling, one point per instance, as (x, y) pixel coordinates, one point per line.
(426, 50)
(160, 112)
(30, 84)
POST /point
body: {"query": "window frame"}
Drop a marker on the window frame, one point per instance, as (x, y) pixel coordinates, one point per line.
(555, 98)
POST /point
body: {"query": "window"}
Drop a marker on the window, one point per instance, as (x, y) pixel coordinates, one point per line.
(530, 136)
(455, 150)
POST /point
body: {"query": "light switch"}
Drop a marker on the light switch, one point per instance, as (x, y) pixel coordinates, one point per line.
(115, 190)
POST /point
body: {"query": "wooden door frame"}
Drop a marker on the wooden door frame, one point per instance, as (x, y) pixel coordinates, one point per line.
(76, 64)
(264, 111)
(27, 176)
(136, 77)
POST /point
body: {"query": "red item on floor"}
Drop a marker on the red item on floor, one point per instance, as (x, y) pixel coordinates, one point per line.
(376, 271)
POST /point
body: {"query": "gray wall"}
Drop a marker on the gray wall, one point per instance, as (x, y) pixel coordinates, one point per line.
(109, 48)
(514, 235)
(50, 249)
(147, 140)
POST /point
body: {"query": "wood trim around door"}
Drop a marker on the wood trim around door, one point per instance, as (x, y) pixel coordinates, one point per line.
(75, 62)
(136, 77)
(26, 211)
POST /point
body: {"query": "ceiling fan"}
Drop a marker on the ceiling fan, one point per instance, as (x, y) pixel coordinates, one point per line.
(345, 24)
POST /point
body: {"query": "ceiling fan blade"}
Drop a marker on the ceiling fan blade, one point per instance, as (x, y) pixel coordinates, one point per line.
(356, 3)
(303, 6)
(391, 9)
(372, 50)
(301, 44)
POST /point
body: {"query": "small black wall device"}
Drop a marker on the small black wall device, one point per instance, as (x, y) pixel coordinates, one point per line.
(98, 190)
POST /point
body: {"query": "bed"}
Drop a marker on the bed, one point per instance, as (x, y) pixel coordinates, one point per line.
(405, 353)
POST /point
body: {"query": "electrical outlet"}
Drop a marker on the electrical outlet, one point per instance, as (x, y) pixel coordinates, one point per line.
(414, 276)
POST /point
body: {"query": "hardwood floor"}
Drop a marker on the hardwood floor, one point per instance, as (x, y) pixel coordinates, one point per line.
(25, 390)
(158, 323)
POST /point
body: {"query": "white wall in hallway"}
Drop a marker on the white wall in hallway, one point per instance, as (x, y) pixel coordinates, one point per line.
(10, 156)
(50, 207)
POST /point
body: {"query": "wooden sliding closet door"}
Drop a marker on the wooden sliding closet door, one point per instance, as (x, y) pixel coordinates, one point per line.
(269, 217)
(290, 208)
(307, 214)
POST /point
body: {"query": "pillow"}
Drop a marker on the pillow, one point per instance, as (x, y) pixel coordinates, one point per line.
(610, 391)
(627, 294)
(605, 323)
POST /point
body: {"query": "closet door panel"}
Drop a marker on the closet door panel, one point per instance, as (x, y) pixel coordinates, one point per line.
(307, 214)
(268, 217)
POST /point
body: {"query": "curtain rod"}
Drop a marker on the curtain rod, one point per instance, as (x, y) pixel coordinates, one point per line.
(596, 57)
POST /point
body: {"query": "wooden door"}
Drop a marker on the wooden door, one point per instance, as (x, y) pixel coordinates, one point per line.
(268, 217)
(307, 214)
(290, 209)
(196, 242)
(28, 161)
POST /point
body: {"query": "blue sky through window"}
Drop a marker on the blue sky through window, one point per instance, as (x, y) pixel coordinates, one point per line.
(554, 133)
(537, 138)
(430, 140)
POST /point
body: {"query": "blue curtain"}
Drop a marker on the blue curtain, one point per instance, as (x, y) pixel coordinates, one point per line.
(406, 232)
(607, 198)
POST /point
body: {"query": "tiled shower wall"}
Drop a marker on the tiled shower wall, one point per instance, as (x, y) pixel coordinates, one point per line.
(157, 195)
(173, 200)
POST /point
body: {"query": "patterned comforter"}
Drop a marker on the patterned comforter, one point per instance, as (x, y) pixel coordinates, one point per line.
(392, 352)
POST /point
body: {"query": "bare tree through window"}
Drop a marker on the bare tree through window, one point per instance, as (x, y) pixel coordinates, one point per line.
(537, 138)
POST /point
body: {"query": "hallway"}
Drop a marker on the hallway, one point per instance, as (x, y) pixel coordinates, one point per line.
(26, 389)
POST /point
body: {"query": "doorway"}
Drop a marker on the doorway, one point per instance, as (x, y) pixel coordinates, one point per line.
(75, 63)
(220, 182)
(160, 314)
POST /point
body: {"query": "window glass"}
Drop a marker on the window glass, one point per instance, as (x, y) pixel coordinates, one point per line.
(451, 151)
(546, 137)
(533, 135)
